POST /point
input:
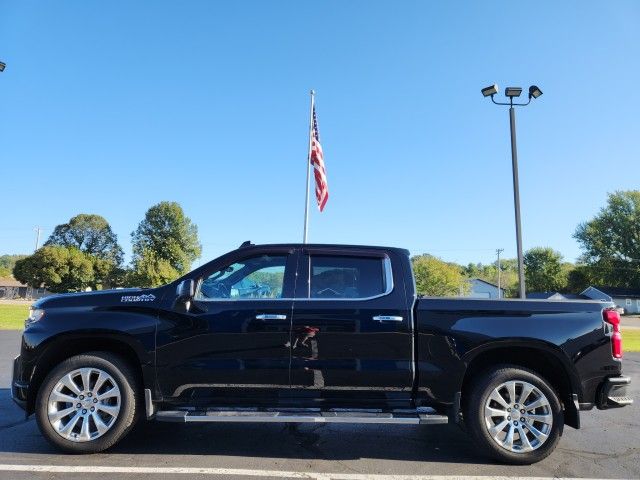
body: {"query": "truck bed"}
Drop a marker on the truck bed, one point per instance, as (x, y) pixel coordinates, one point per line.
(453, 333)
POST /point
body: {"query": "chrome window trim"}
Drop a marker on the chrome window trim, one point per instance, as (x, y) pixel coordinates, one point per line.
(389, 287)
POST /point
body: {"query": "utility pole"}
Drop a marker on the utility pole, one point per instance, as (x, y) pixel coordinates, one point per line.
(38, 230)
(498, 252)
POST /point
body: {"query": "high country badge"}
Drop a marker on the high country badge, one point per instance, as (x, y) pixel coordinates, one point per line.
(138, 298)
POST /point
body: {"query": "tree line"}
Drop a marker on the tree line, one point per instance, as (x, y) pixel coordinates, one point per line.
(85, 253)
(610, 244)
(7, 262)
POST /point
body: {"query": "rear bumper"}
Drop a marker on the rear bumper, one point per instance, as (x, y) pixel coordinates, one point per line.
(19, 390)
(613, 393)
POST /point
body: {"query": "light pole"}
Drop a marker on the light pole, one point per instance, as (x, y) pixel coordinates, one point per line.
(511, 93)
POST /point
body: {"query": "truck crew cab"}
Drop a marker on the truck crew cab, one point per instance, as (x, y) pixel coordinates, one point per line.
(316, 333)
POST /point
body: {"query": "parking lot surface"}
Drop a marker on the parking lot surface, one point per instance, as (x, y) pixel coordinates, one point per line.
(607, 446)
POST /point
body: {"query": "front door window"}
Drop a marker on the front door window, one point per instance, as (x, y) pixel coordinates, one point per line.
(255, 277)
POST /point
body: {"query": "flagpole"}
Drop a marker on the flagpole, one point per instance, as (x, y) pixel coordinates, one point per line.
(306, 205)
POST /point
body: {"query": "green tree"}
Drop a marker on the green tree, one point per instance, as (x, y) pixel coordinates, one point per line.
(61, 269)
(7, 262)
(544, 271)
(611, 241)
(274, 280)
(509, 277)
(437, 278)
(150, 271)
(90, 234)
(164, 245)
(580, 277)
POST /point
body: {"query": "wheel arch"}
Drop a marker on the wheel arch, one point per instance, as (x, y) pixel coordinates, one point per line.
(64, 346)
(544, 359)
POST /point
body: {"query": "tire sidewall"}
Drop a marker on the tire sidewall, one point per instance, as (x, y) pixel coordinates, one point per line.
(476, 422)
(123, 377)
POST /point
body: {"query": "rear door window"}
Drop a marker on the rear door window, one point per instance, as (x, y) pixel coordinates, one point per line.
(348, 277)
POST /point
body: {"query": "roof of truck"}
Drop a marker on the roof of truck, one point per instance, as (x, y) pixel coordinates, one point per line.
(324, 245)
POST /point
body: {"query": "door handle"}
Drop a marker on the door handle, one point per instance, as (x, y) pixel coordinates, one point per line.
(270, 316)
(388, 318)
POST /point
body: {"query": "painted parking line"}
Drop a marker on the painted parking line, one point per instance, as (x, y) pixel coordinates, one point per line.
(248, 473)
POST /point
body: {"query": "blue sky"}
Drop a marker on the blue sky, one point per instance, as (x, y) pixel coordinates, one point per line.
(110, 107)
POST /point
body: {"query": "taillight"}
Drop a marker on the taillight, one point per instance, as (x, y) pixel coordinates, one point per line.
(613, 318)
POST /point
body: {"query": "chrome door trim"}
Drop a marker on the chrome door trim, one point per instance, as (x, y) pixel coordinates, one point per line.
(388, 318)
(270, 316)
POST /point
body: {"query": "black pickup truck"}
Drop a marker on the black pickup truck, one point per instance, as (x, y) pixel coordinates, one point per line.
(316, 333)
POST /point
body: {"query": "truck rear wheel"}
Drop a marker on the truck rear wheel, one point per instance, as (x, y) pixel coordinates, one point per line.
(87, 403)
(514, 415)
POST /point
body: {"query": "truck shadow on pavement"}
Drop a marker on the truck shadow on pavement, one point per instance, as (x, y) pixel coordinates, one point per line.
(438, 443)
(10, 414)
(307, 441)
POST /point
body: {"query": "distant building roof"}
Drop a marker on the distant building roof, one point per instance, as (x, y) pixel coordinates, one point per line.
(618, 292)
(484, 281)
(10, 282)
(609, 293)
(575, 296)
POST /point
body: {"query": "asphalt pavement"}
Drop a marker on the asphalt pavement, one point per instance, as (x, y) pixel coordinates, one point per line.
(608, 446)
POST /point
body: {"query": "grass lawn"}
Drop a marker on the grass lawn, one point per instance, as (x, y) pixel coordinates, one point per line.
(12, 317)
(631, 340)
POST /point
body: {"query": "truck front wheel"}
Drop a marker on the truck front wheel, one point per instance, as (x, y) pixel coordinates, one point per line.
(87, 403)
(514, 415)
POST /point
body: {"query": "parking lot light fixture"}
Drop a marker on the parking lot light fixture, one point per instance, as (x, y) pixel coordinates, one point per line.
(490, 91)
(534, 92)
(513, 92)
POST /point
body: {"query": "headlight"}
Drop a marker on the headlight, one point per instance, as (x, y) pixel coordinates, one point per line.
(35, 314)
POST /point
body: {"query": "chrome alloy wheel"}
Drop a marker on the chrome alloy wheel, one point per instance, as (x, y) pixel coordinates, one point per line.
(518, 416)
(84, 404)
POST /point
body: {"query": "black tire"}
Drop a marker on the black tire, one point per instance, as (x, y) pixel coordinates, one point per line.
(474, 414)
(130, 401)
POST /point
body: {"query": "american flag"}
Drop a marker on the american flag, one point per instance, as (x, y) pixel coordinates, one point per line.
(317, 162)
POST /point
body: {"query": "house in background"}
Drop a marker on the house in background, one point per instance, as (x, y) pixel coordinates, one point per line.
(482, 289)
(627, 298)
(12, 289)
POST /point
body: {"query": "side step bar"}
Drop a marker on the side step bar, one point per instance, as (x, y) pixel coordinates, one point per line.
(421, 416)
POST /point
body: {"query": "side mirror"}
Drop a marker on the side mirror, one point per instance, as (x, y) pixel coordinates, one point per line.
(186, 290)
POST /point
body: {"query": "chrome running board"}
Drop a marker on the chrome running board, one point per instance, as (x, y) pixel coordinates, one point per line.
(421, 416)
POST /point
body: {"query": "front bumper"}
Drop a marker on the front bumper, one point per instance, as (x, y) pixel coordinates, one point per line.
(613, 393)
(19, 390)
